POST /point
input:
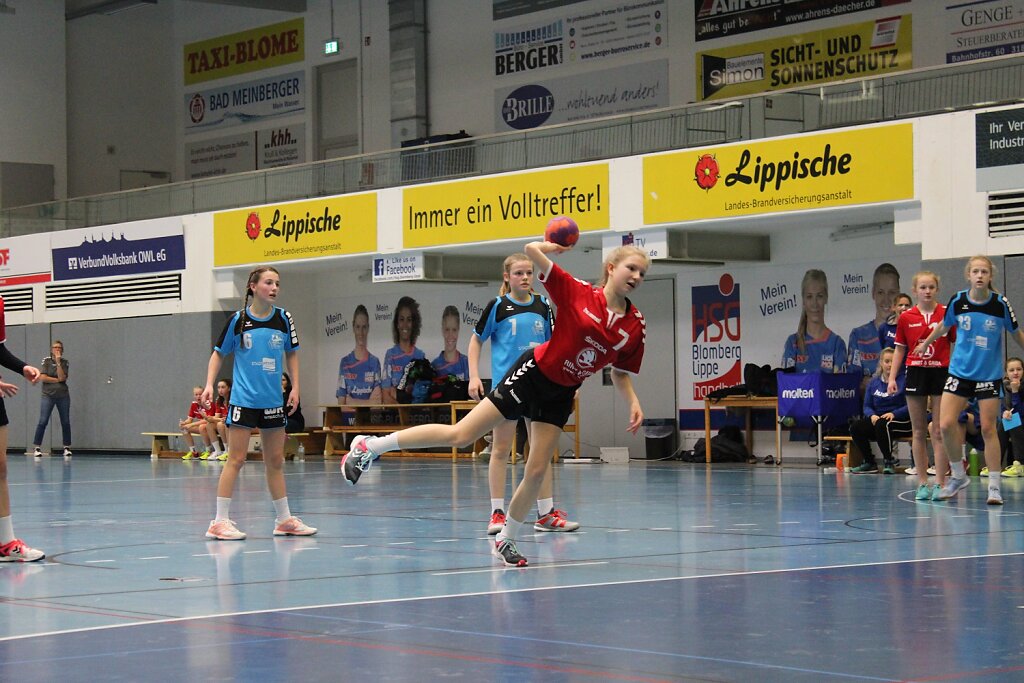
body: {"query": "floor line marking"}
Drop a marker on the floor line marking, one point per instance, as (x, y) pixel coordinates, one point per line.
(156, 557)
(494, 570)
(421, 598)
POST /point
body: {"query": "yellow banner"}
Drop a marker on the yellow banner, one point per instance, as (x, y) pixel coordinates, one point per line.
(240, 53)
(504, 207)
(300, 230)
(836, 54)
(842, 168)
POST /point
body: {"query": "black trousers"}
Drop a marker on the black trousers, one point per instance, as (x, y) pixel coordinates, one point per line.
(1014, 437)
(883, 431)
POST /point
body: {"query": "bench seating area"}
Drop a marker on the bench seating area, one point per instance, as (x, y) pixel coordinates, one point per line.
(312, 442)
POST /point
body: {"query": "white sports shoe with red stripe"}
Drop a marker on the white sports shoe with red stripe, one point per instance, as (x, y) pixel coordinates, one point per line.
(555, 521)
(293, 526)
(17, 551)
(224, 530)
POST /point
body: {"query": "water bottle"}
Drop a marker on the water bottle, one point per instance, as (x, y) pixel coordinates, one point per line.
(301, 453)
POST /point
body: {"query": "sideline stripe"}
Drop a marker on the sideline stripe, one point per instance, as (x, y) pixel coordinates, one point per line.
(422, 598)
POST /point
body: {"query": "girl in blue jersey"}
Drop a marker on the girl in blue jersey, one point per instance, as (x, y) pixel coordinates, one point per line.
(263, 339)
(814, 347)
(980, 316)
(450, 361)
(517, 320)
(359, 375)
(865, 343)
(405, 330)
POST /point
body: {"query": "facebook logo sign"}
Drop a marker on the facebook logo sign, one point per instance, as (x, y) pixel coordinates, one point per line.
(378, 267)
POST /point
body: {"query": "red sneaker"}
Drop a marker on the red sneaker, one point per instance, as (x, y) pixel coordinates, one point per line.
(497, 522)
(17, 551)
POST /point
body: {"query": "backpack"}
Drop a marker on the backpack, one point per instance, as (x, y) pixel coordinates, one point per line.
(447, 388)
(726, 446)
(762, 380)
(417, 380)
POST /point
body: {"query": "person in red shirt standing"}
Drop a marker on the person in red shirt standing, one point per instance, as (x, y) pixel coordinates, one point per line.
(926, 376)
(597, 326)
(12, 548)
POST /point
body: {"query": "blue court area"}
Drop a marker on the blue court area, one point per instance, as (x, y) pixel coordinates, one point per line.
(679, 573)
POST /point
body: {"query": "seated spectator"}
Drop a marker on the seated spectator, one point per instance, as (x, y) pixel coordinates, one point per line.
(216, 420)
(1012, 440)
(970, 425)
(296, 423)
(886, 417)
(195, 423)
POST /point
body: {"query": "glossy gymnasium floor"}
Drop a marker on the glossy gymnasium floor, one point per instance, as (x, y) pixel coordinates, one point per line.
(680, 573)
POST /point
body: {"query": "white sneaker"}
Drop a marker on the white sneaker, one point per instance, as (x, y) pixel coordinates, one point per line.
(17, 551)
(67, 452)
(37, 452)
(910, 471)
(224, 530)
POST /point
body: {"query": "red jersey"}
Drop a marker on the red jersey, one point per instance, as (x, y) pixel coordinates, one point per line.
(196, 411)
(587, 336)
(219, 410)
(913, 326)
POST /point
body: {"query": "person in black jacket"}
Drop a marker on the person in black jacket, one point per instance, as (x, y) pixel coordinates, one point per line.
(885, 417)
(296, 422)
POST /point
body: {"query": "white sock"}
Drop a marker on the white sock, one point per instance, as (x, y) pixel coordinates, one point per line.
(544, 506)
(993, 480)
(216, 450)
(510, 531)
(6, 530)
(958, 469)
(281, 509)
(192, 449)
(223, 508)
(383, 444)
(498, 504)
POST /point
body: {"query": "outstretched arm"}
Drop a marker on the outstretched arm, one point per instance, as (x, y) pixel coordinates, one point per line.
(624, 384)
(538, 254)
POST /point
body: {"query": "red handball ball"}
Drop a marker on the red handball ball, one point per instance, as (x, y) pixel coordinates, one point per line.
(562, 230)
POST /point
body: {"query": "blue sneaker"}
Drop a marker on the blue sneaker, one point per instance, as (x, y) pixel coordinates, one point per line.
(924, 492)
(358, 459)
(953, 486)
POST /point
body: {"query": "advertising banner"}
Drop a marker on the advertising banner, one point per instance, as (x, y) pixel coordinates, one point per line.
(220, 156)
(244, 52)
(979, 30)
(281, 146)
(598, 31)
(999, 150)
(19, 260)
(504, 207)
(332, 226)
(247, 102)
(840, 168)
(626, 89)
(719, 18)
(155, 246)
(870, 48)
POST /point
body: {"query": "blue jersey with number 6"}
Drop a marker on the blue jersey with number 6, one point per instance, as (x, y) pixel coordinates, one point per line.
(259, 345)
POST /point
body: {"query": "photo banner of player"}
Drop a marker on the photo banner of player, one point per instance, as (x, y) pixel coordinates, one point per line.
(504, 207)
(299, 230)
(244, 52)
(842, 168)
(870, 48)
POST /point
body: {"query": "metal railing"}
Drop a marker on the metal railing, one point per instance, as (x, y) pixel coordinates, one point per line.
(918, 93)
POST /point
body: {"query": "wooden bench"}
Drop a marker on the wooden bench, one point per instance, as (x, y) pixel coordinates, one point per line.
(161, 443)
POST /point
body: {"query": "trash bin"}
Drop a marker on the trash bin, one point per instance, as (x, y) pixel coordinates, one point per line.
(662, 437)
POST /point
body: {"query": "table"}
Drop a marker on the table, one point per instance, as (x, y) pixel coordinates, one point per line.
(750, 403)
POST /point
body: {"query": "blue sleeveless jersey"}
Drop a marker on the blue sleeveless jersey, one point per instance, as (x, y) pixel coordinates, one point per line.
(978, 353)
(459, 367)
(259, 346)
(358, 378)
(513, 328)
(394, 365)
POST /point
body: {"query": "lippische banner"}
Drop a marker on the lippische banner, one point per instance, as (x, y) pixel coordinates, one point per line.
(870, 48)
(843, 168)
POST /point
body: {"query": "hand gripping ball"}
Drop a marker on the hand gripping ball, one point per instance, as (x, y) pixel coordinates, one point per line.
(562, 230)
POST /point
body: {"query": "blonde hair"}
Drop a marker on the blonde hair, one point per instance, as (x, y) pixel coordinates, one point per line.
(812, 275)
(926, 273)
(887, 350)
(620, 254)
(506, 268)
(991, 269)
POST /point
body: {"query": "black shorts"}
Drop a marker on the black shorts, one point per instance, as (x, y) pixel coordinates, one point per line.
(256, 418)
(524, 391)
(3, 414)
(923, 381)
(971, 388)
